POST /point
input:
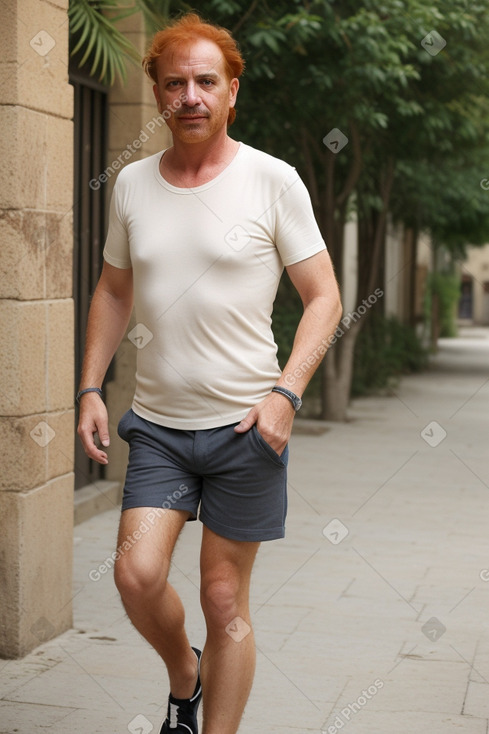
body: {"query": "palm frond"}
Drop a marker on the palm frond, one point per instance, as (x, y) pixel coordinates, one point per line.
(95, 36)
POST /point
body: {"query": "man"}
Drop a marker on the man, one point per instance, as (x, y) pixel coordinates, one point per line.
(200, 234)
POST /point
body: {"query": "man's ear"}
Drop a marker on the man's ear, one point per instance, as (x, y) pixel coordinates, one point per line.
(233, 91)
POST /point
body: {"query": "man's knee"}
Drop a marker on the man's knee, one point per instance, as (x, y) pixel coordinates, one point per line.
(220, 599)
(137, 577)
(142, 568)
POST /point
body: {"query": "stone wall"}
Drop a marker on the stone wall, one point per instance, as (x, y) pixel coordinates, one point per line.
(36, 322)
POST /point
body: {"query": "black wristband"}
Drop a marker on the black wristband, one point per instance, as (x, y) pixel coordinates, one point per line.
(89, 389)
(291, 396)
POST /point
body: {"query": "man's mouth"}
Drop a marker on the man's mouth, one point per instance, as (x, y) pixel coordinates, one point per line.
(192, 116)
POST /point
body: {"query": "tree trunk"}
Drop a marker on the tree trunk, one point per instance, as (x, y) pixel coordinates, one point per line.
(412, 237)
(338, 373)
(338, 365)
(435, 322)
(435, 299)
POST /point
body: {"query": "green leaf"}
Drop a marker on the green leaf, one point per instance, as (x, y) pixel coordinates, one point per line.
(98, 39)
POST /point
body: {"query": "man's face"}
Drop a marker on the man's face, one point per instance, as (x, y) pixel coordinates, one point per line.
(195, 71)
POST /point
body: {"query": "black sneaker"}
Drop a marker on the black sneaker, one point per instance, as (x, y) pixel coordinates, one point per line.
(181, 717)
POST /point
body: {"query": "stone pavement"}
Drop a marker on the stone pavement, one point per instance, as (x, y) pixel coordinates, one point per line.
(371, 616)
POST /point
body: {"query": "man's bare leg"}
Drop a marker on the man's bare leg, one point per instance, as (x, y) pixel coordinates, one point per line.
(228, 662)
(152, 604)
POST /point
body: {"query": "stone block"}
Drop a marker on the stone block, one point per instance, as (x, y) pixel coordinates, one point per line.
(36, 363)
(41, 54)
(146, 96)
(36, 254)
(125, 126)
(36, 448)
(31, 180)
(8, 35)
(23, 358)
(8, 79)
(133, 89)
(23, 242)
(61, 354)
(58, 254)
(132, 24)
(36, 563)
(59, 165)
(63, 4)
(22, 180)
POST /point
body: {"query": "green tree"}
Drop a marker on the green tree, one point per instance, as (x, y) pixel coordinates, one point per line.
(361, 67)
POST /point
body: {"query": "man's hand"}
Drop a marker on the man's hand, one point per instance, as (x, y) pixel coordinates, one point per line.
(93, 419)
(273, 417)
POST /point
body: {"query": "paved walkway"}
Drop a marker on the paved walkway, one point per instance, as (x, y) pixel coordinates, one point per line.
(371, 616)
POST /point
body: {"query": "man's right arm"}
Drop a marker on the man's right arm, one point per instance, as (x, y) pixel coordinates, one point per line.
(108, 318)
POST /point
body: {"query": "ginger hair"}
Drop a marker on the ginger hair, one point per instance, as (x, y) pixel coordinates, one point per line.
(188, 28)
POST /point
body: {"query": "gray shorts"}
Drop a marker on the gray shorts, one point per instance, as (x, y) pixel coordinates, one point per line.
(239, 481)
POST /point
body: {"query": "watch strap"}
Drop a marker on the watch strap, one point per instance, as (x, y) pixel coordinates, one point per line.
(89, 389)
(294, 399)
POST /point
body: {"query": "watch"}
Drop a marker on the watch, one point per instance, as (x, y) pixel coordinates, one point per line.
(294, 399)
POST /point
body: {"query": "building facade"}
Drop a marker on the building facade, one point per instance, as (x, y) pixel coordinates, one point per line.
(474, 300)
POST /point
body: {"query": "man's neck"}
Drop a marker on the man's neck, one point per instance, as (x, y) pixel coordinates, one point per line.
(193, 164)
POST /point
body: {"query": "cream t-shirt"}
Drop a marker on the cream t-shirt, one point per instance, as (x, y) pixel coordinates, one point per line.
(206, 264)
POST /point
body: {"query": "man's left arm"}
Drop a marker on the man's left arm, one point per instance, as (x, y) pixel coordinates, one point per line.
(316, 284)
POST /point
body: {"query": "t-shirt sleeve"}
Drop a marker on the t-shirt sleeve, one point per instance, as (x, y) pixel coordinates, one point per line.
(116, 250)
(297, 235)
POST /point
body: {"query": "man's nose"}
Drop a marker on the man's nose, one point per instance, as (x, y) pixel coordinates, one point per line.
(193, 94)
